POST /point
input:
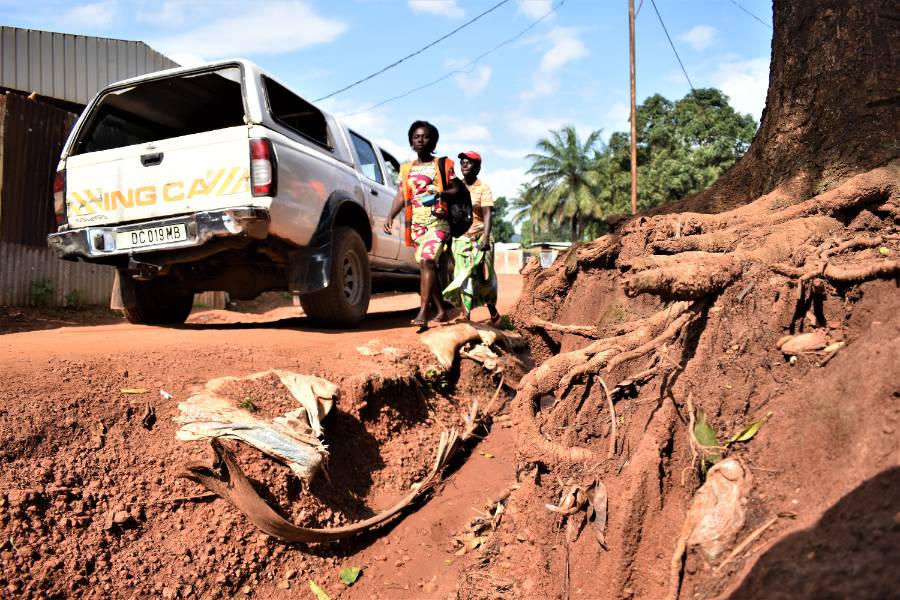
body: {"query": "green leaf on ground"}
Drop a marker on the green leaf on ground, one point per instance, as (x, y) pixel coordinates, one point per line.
(884, 250)
(747, 433)
(319, 592)
(349, 575)
(704, 433)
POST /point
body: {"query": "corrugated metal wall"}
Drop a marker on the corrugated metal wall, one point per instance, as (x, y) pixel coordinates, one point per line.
(28, 275)
(33, 133)
(32, 276)
(71, 67)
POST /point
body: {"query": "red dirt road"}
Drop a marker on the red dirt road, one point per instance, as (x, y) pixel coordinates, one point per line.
(73, 454)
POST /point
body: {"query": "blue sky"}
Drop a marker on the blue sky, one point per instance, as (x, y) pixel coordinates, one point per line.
(570, 68)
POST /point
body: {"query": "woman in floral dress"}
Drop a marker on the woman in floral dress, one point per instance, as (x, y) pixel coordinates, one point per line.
(426, 222)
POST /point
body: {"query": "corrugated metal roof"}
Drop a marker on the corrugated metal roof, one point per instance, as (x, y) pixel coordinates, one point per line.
(71, 67)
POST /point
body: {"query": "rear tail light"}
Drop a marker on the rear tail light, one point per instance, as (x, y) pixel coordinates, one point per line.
(263, 170)
(59, 197)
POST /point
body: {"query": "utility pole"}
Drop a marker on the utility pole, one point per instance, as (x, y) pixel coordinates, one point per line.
(633, 111)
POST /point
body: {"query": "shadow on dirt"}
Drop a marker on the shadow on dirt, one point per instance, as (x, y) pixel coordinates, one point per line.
(852, 552)
(373, 322)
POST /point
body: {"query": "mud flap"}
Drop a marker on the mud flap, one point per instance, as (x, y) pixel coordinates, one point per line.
(309, 268)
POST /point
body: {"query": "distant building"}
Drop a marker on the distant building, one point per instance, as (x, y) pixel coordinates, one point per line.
(46, 79)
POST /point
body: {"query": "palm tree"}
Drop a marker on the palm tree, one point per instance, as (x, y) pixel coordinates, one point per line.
(565, 173)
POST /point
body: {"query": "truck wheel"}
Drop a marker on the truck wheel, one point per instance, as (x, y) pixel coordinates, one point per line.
(154, 302)
(346, 299)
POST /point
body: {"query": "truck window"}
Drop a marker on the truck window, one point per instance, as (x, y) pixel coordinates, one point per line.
(392, 169)
(368, 162)
(295, 113)
(162, 109)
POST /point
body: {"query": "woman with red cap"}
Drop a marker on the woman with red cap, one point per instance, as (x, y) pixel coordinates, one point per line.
(474, 279)
(427, 227)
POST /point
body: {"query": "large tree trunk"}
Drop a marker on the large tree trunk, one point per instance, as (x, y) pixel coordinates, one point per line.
(832, 109)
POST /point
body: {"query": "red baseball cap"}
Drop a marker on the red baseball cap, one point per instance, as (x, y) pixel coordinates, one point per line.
(471, 155)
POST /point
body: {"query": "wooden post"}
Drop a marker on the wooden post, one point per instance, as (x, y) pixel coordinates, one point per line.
(633, 110)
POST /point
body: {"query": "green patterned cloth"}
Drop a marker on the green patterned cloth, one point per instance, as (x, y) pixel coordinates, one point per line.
(474, 279)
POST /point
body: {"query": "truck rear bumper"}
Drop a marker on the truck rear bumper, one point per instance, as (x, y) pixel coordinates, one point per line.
(174, 233)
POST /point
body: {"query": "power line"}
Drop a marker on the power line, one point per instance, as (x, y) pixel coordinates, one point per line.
(408, 56)
(751, 14)
(683, 70)
(462, 69)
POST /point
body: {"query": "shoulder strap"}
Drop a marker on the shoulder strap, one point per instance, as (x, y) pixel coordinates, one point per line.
(405, 168)
(442, 168)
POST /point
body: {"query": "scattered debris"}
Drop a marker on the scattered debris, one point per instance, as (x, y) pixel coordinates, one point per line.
(133, 391)
(584, 504)
(164, 394)
(293, 438)
(319, 592)
(349, 575)
(715, 517)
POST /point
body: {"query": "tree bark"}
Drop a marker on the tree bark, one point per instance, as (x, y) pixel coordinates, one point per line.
(832, 108)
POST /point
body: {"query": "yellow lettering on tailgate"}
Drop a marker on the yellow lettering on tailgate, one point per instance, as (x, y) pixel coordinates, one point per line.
(198, 188)
(243, 183)
(227, 182)
(81, 204)
(116, 197)
(214, 181)
(145, 196)
(170, 196)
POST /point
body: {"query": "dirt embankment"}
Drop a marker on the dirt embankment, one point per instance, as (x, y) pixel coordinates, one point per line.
(685, 314)
(92, 505)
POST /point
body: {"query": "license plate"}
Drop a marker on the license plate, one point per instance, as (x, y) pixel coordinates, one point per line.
(151, 236)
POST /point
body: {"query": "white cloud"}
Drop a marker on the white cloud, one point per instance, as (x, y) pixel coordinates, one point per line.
(505, 182)
(90, 15)
(745, 82)
(172, 13)
(534, 128)
(475, 82)
(700, 37)
(466, 135)
(566, 48)
(535, 9)
(445, 8)
(270, 28)
(541, 87)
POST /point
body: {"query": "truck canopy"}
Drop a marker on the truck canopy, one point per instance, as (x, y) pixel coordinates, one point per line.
(163, 108)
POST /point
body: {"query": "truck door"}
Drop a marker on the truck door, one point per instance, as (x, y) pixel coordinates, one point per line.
(379, 197)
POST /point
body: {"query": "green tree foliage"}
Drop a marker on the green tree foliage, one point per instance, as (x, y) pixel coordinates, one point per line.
(683, 147)
(501, 229)
(564, 171)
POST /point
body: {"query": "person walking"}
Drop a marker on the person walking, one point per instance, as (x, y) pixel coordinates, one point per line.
(474, 279)
(426, 224)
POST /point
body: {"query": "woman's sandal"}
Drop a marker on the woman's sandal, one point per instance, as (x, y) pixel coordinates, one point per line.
(420, 323)
(496, 320)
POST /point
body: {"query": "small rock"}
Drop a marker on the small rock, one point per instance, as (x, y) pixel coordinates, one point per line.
(805, 342)
(246, 590)
(398, 563)
(290, 574)
(169, 593)
(284, 585)
(430, 587)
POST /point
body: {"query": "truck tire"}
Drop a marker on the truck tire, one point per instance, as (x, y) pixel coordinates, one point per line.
(154, 302)
(346, 299)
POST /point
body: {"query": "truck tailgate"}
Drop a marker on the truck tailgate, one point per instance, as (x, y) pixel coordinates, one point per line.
(173, 176)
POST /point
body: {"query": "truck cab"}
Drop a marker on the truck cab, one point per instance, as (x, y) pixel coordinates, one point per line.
(220, 177)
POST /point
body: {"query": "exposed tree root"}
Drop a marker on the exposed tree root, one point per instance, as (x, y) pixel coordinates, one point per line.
(558, 373)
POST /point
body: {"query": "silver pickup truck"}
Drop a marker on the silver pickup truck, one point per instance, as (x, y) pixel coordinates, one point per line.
(221, 178)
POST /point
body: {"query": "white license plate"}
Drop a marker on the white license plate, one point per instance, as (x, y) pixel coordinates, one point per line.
(151, 236)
